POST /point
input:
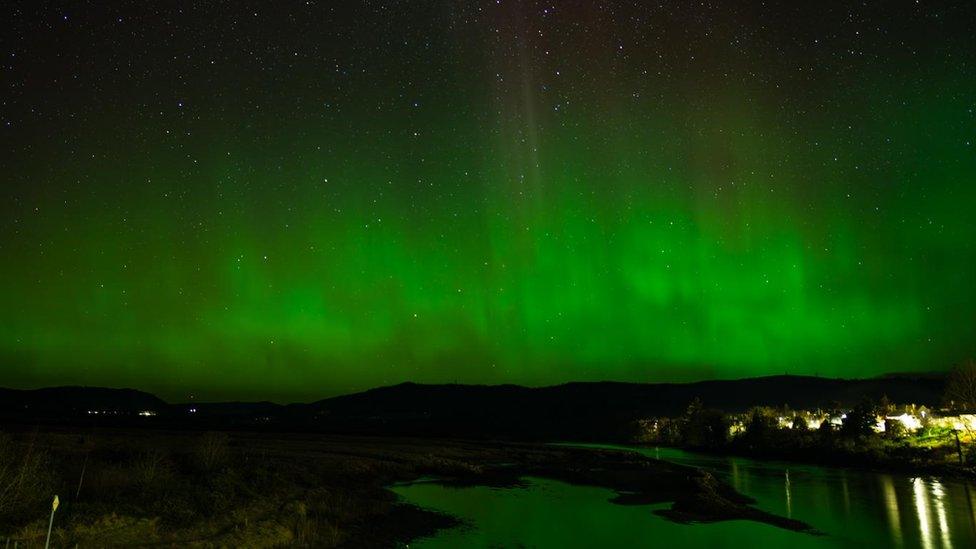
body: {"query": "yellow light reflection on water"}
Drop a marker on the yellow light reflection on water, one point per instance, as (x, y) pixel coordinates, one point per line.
(939, 495)
(922, 510)
(891, 505)
(789, 496)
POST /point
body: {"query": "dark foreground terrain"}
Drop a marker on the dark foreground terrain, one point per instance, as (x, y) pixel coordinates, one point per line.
(151, 487)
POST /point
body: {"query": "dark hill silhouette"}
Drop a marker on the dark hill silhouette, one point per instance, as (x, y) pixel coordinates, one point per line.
(57, 401)
(577, 411)
(602, 410)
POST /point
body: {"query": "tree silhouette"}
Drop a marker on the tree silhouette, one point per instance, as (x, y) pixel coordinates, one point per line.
(860, 421)
(960, 389)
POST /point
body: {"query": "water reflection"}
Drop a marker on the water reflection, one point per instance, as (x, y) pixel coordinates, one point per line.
(891, 506)
(940, 510)
(847, 492)
(736, 479)
(922, 511)
(789, 498)
(971, 501)
(931, 499)
(856, 509)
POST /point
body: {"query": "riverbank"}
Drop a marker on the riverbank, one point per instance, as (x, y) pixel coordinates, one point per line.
(853, 507)
(908, 461)
(132, 487)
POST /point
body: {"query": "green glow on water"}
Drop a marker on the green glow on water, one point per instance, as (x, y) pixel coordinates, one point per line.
(852, 509)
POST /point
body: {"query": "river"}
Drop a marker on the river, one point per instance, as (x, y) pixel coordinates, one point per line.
(852, 508)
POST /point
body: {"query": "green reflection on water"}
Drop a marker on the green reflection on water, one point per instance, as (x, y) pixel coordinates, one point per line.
(548, 513)
(854, 509)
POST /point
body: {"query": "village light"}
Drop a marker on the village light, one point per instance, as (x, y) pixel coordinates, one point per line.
(909, 421)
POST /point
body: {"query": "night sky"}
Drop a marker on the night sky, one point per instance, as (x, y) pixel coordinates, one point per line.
(289, 200)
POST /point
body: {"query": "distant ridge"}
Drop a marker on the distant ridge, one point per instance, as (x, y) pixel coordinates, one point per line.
(578, 410)
(652, 398)
(70, 399)
(595, 409)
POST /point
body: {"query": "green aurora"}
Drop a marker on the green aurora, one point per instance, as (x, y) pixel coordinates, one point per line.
(455, 195)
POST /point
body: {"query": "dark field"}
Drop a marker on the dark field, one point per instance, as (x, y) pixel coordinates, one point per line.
(145, 487)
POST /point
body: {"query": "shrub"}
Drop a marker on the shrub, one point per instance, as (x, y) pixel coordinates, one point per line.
(212, 451)
(23, 479)
(151, 468)
(895, 429)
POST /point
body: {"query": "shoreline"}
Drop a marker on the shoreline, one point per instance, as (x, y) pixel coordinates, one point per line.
(320, 490)
(944, 471)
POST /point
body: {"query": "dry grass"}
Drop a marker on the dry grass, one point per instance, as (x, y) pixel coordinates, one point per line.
(279, 490)
(205, 489)
(23, 478)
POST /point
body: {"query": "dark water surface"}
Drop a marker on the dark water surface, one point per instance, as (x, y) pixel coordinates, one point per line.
(853, 508)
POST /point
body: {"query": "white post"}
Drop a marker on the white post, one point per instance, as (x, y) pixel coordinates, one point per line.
(50, 524)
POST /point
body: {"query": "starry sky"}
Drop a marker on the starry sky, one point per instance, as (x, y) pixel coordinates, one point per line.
(296, 199)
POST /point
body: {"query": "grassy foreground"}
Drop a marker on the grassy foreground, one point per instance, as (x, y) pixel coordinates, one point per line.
(144, 487)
